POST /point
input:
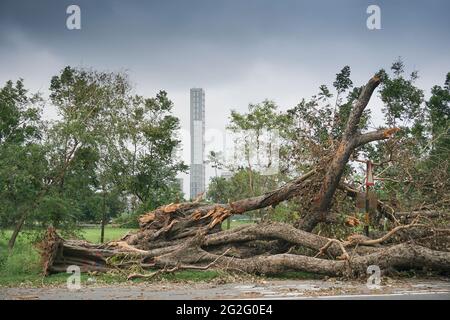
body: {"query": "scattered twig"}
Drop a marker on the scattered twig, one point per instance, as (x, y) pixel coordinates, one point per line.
(322, 250)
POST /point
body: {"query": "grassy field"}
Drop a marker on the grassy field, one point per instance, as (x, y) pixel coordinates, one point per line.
(22, 266)
(93, 234)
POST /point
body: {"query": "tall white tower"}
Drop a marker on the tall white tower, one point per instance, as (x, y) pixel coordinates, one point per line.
(197, 168)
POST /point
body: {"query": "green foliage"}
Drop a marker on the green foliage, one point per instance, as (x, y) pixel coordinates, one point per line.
(107, 146)
(23, 261)
(419, 170)
(19, 116)
(128, 220)
(124, 144)
(220, 190)
(143, 152)
(402, 99)
(215, 160)
(439, 118)
(113, 152)
(23, 164)
(342, 83)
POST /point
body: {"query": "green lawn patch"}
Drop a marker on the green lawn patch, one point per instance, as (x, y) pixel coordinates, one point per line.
(23, 266)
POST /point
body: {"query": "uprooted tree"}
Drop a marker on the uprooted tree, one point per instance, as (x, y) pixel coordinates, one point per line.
(188, 235)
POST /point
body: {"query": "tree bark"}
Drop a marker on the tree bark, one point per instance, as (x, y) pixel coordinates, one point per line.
(351, 139)
(198, 252)
(16, 231)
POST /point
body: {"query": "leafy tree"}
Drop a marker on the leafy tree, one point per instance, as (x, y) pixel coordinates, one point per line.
(126, 144)
(342, 83)
(439, 118)
(22, 155)
(415, 163)
(144, 159)
(402, 99)
(215, 160)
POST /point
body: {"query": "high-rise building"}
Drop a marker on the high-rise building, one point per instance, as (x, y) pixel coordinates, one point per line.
(197, 168)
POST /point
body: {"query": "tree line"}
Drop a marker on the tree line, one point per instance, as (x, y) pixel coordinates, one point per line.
(109, 151)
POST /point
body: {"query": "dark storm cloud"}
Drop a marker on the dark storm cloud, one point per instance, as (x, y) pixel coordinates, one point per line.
(216, 41)
(240, 51)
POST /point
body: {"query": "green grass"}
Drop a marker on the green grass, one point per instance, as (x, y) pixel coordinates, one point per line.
(93, 234)
(235, 224)
(23, 263)
(22, 266)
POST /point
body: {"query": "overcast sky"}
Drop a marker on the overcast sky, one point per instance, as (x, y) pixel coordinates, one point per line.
(239, 51)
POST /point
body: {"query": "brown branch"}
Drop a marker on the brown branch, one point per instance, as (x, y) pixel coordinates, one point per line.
(323, 250)
(358, 107)
(272, 198)
(381, 134)
(395, 230)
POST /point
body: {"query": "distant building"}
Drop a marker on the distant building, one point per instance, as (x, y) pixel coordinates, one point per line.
(197, 168)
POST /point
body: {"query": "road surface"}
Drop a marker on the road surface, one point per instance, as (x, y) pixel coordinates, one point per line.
(286, 289)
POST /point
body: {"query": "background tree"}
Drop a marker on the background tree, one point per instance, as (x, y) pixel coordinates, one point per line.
(214, 159)
(439, 122)
(22, 155)
(106, 145)
(144, 157)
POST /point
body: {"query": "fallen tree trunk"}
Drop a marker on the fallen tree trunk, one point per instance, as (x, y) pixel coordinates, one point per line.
(401, 256)
(188, 235)
(225, 249)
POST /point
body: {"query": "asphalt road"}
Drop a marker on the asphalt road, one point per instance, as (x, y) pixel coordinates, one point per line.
(288, 289)
(390, 296)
